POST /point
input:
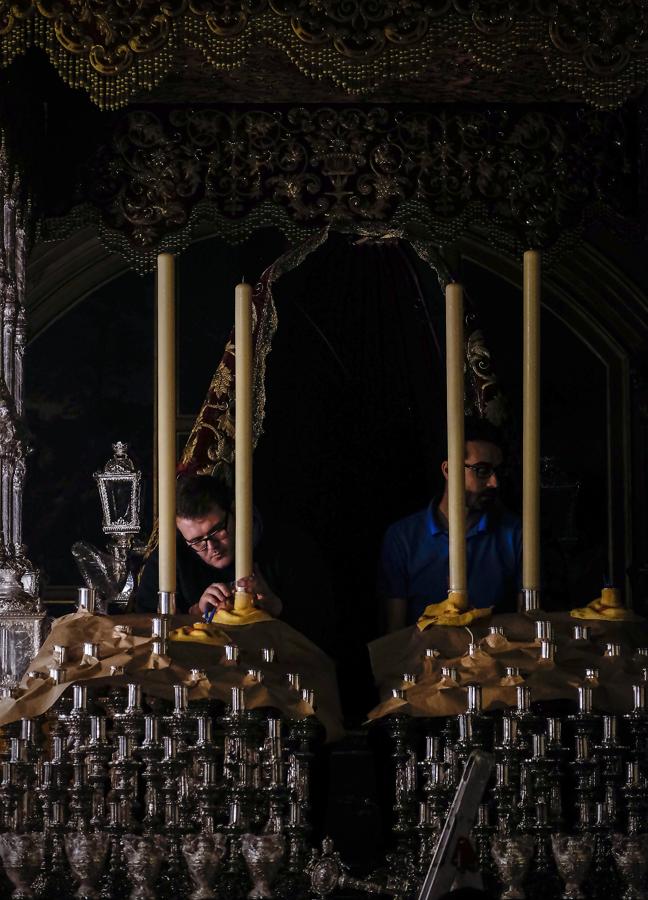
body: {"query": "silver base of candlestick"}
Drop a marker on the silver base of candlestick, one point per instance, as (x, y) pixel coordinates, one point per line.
(167, 603)
(530, 600)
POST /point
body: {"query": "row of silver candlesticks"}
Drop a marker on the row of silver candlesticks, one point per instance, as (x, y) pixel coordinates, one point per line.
(133, 796)
(567, 805)
(147, 799)
(58, 673)
(155, 803)
(151, 800)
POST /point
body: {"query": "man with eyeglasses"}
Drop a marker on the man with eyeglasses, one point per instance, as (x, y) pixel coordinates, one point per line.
(414, 558)
(283, 564)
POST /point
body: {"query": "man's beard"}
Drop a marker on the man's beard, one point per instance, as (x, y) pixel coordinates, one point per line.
(484, 500)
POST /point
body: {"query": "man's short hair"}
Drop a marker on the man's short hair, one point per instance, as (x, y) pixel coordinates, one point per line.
(482, 430)
(198, 495)
(476, 429)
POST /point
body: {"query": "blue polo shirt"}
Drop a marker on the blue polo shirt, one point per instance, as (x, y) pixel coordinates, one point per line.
(414, 561)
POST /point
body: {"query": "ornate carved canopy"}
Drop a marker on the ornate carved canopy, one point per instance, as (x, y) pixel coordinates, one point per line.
(596, 50)
(526, 176)
(522, 159)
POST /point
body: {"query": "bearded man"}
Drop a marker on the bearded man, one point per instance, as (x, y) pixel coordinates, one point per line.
(414, 558)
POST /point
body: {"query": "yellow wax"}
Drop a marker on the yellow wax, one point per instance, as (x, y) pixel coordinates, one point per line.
(166, 421)
(456, 444)
(243, 434)
(531, 424)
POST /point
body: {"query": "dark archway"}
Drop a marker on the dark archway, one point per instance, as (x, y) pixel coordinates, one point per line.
(608, 314)
(577, 297)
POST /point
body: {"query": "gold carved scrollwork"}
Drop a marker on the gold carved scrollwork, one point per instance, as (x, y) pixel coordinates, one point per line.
(12, 12)
(110, 33)
(162, 183)
(533, 175)
(360, 29)
(242, 152)
(338, 164)
(494, 17)
(114, 48)
(606, 36)
(224, 18)
(489, 402)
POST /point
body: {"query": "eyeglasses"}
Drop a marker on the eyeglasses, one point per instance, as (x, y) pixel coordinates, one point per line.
(199, 544)
(483, 471)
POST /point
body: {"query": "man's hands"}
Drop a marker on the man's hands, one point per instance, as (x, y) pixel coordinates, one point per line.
(263, 596)
(221, 595)
(218, 595)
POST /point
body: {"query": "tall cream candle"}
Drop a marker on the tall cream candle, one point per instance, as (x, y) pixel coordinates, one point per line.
(531, 427)
(456, 443)
(166, 421)
(243, 436)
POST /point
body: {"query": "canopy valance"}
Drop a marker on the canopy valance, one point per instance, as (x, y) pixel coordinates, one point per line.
(594, 51)
(520, 176)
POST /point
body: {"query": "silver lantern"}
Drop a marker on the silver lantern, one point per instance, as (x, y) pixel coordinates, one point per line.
(119, 489)
(119, 484)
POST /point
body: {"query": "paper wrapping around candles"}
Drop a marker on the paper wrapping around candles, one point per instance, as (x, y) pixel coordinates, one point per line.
(433, 695)
(608, 606)
(451, 612)
(158, 674)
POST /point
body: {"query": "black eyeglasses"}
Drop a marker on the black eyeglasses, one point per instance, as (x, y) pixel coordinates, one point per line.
(484, 471)
(199, 544)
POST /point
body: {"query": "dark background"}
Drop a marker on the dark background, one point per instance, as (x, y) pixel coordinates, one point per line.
(355, 405)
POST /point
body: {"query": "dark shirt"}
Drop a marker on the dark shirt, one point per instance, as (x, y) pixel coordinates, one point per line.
(293, 571)
(414, 561)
